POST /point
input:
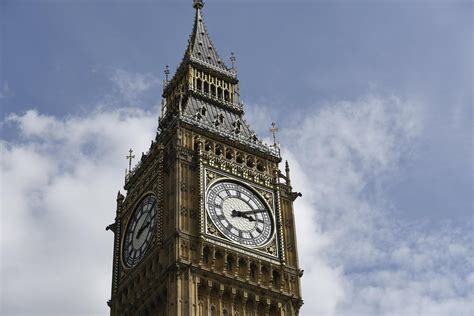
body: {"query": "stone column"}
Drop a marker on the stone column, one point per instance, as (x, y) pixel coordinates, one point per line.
(225, 262)
(247, 276)
(233, 293)
(245, 297)
(255, 308)
(213, 259)
(221, 293)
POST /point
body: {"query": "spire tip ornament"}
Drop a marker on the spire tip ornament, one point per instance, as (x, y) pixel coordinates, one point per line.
(198, 4)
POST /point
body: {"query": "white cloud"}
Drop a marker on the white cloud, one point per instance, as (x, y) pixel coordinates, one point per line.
(61, 175)
(358, 257)
(132, 85)
(59, 184)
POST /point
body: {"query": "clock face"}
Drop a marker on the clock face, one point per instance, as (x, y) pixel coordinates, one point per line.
(239, 213)
(140, 231)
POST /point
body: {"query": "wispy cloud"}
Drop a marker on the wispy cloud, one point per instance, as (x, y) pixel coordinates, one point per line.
(5, 91)
(132, 86)
(60, 177)
(59, 181)
(358, 256)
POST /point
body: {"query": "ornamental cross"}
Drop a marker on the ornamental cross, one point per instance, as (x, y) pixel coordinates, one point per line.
(130, 157)
(274, 130)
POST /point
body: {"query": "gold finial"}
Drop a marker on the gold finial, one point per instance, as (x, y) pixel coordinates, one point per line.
(130, 157)
(274, 130)
(198, 4)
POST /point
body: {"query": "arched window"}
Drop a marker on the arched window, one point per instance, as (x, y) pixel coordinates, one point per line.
(228, 153)
(199, 84)
(206, 87)
(219, 150)
(213, 90)
(253, 272)
(275, 278)
(219, 93)
(239, 158)
(207, 146)
(260, 166)
(213, 311)
(230, 264)
(250, 162)
(226, 95)
(205, 255)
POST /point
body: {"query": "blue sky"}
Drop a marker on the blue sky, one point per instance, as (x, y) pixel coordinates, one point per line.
(374, 104)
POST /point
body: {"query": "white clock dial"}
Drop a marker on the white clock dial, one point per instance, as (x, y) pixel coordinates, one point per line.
(239, 213)
(140, 231)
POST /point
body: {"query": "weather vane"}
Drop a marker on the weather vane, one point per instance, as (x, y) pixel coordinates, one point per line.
(130, 157)
(274, 130)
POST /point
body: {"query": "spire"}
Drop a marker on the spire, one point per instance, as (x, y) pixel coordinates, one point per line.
(200, 49)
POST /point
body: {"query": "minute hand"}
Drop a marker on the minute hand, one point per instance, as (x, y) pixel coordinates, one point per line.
(254, 211)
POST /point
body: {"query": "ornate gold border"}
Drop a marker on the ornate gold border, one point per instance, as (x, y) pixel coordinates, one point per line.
(260, 250)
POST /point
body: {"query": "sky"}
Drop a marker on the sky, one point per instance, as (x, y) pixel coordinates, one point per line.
(373, 100)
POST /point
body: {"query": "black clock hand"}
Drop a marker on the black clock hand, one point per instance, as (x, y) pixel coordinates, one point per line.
(250, 218)
(242, 214)
(237, 213)
(253, 211)
(148, 215)
(140, 231)
(144, 225)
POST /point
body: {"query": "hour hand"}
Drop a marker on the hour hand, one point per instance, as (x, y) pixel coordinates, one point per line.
(243, 215)
(140, 231)
(236, 213)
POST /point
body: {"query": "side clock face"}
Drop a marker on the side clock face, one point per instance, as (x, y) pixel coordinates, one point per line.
(140, 231)
(239, 213)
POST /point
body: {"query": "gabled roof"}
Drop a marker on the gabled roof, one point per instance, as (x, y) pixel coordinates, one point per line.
(200, 49)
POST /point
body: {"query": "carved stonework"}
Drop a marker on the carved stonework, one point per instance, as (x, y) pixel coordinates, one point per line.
(210, 176)
(240, 260)
(271, 250)
(211, 229)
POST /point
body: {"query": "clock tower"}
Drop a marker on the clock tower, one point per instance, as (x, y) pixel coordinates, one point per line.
(207, 224)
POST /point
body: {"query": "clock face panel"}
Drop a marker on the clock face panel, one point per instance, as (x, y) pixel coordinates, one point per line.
(140, 231)
(239, 213)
